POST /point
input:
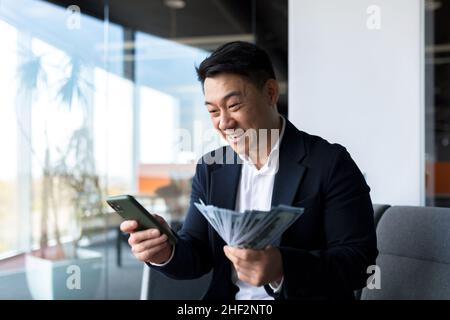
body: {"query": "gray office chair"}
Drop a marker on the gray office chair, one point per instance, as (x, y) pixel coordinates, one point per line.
(414, 258)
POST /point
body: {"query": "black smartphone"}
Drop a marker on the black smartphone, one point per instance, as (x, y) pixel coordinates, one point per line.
(130, 209)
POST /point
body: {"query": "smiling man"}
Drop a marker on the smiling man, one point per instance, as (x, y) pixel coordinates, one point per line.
(325, 253)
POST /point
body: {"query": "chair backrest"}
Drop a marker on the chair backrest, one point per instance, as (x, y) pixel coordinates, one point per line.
(414, 254)
(378, 211)
(156, 286)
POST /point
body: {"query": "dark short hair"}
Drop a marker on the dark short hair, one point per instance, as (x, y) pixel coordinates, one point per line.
(238, 57)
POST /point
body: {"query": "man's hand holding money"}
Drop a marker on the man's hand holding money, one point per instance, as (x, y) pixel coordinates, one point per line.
(256, 267)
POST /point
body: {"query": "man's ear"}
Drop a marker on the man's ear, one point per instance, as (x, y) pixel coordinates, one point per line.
(272, 91)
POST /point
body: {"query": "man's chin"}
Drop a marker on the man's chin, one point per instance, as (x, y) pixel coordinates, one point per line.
(238, 149)
(235, 147)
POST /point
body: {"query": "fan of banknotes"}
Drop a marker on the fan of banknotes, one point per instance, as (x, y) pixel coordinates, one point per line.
(251, 229)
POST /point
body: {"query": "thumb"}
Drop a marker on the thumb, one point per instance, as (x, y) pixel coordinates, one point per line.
(160, 219)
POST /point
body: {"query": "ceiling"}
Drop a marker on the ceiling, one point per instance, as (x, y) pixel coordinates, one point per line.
(223, 19)
(204, 24)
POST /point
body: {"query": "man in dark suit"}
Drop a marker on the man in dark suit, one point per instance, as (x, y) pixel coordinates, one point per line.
(325, 253)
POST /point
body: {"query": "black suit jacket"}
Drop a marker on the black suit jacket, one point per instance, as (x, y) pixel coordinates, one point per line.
(325, 253)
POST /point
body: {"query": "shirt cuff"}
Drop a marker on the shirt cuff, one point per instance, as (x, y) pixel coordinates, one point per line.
(163, 264)
(276, 286)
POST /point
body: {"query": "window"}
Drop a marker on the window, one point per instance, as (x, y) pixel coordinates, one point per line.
(437, 103)
(101, 98)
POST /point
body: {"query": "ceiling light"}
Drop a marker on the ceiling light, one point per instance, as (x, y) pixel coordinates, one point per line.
(175, 4)
(432, 5)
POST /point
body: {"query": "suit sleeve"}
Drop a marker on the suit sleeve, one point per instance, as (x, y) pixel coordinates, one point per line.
(192, 257)
(336, 271)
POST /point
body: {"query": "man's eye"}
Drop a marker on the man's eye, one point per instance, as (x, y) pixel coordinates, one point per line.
(214, 112)
(234, 105)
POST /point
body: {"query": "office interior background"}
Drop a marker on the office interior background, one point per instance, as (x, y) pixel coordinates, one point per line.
(94, 96)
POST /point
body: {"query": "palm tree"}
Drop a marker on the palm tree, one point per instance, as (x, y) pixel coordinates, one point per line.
(75, 167)
(31, 76)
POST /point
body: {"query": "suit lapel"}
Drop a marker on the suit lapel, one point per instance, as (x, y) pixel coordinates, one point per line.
(287, 182)
(224, 185)
(291, 171)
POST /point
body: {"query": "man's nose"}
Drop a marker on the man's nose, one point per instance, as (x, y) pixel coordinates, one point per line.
(226, 121)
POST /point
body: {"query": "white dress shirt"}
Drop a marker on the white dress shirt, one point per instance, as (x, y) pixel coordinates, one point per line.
(254, 193)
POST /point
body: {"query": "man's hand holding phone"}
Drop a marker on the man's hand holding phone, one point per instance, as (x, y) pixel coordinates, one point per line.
(148, 245)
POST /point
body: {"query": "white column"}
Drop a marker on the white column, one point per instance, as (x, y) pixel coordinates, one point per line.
(356, 78)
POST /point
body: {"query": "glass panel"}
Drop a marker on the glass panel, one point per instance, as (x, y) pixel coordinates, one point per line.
(9, 221)
(437, 103)
(50, 83)
(95, 100)
(173, 122)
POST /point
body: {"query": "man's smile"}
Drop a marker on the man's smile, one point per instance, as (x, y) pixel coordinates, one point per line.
(234, 135)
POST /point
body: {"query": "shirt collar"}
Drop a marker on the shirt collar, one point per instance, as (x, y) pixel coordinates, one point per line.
(272, 160)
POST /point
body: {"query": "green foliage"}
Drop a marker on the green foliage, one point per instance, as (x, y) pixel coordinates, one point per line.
(75, 166)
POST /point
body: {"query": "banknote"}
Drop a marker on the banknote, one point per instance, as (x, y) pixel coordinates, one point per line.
(252, 229)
